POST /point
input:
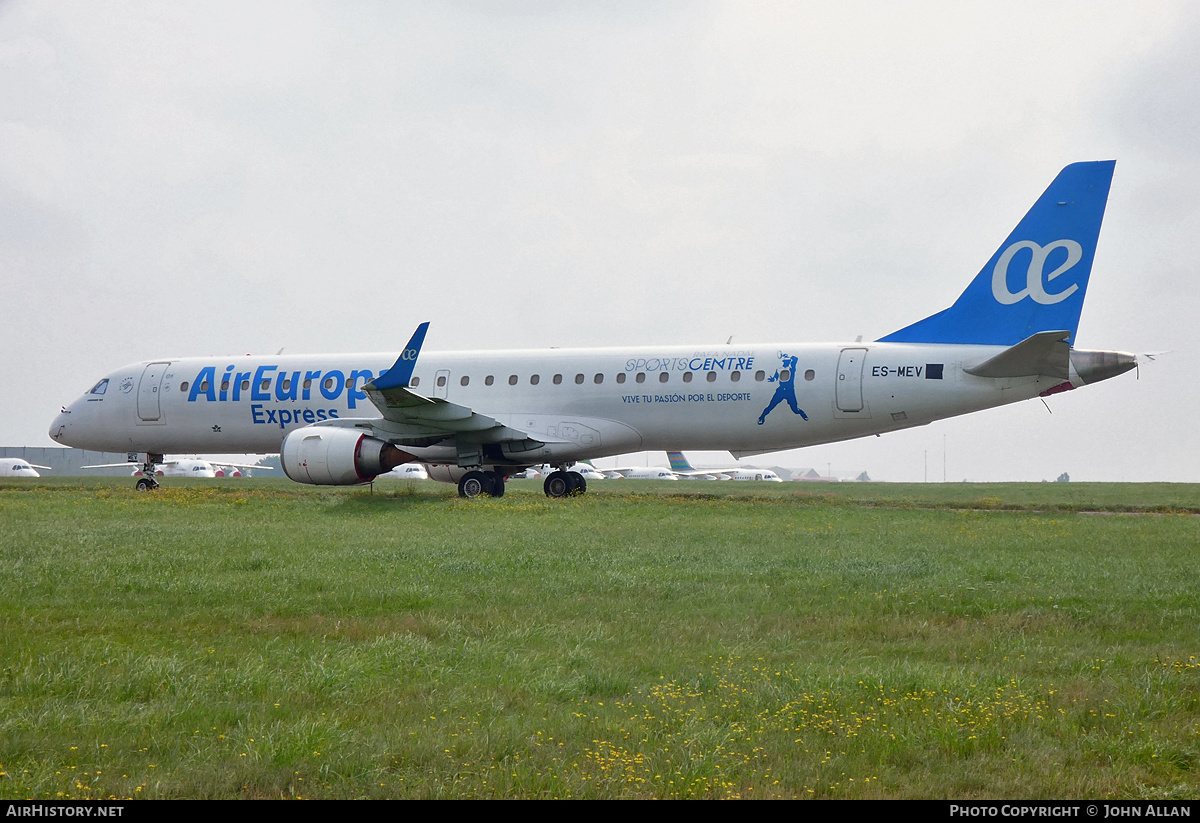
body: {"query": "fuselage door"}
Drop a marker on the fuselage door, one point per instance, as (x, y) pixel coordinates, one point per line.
(849, 380)
(441, 383)
(149, 391)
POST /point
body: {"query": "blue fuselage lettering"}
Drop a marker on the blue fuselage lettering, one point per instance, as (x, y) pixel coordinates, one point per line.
(290, 388)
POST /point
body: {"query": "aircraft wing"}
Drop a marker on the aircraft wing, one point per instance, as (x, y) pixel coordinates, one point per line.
(139, 465)
(700, 474)
(627, 472)
(417, 419)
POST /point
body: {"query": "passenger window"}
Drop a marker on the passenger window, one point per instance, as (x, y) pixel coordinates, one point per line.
(307, 383)
(760, 376)
(735, 376)
(534, 379)
(287, 384)
(416, 381)
(641, 377)
(182, 386)
(687, 377)
(441, 381)
(579, 379)
(557, 379)
(245, 385)
(711, 377)
(810, 374)
(621, 377)
(329, 381)
(663, 377)
(465, 381)
(785, 375)
(489, 380)
(512, 380)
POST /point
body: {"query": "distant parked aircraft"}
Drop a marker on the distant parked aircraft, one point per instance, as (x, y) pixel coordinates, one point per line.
(181, 467)
(680, 464)
(16, 467)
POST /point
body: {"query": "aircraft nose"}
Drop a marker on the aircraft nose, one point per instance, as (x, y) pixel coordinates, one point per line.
(58, 429)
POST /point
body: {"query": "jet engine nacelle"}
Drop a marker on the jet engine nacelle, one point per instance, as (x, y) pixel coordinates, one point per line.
(333, 456)
(452, 474)
(444, 473)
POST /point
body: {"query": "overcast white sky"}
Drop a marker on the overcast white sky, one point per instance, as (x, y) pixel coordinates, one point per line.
(181, 178)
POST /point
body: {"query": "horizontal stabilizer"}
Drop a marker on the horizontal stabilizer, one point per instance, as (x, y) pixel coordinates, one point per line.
(1045, 353)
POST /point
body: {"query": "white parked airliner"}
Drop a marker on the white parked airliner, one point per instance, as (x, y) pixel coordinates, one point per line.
(681, 466)
(181, 467)
(475, 417)
(17, 467)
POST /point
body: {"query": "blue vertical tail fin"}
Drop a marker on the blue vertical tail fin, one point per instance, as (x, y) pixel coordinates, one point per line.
(679, 463)
(1037, 279)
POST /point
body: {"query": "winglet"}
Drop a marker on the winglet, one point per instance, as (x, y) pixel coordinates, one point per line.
(401, 371)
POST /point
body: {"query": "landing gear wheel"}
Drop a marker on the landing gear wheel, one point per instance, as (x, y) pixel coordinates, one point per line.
(558, 484)
(475, 484)
(578, 483)
(565, 484)
(497, 484)
(145, 484)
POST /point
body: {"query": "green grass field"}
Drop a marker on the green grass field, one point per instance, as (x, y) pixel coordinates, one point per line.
(259, 639)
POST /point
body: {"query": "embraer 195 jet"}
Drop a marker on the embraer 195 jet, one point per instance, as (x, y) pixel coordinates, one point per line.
(476, 417)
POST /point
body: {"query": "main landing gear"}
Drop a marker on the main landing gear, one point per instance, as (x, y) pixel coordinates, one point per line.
(564, 484)
(480, 484)
(147, 483)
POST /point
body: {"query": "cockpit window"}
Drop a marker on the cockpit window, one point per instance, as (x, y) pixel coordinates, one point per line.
(100, 387)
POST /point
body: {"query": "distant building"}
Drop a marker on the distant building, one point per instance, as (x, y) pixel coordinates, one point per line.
(812, 476)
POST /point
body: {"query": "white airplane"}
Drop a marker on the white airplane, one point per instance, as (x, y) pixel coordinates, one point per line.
(640, 473)
(17, 467)
(585, 468)
(475, 417)
(409, 471)
(680, 465)
(180, 467)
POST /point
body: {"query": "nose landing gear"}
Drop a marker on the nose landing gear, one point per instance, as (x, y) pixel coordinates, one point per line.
(147, 483)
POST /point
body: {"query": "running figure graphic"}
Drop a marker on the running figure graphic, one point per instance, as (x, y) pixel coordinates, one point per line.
(786, 389)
